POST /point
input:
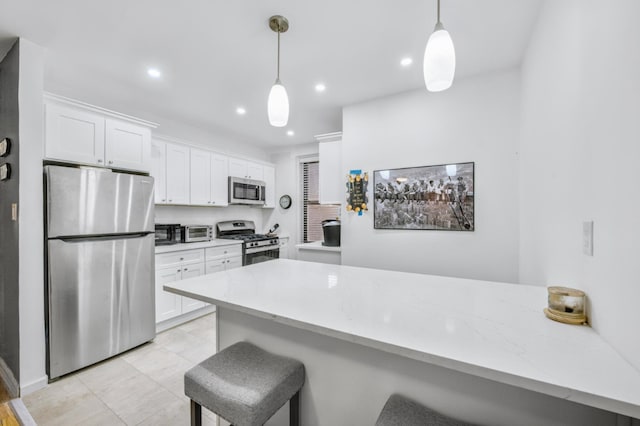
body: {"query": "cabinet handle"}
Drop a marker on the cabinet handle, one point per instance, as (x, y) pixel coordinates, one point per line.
(182, 258)
(213, 202)
(170, 200)
(225, 252)
(163, 200)
(99, 161)
(179, 270)
(110, 162)
(228, 261)
(223, 261)
(185, 269)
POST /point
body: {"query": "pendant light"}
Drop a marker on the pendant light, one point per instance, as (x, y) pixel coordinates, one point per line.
(278, 103)
(439, 59)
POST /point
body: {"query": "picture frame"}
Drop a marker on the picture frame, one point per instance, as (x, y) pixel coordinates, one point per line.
(435, 198)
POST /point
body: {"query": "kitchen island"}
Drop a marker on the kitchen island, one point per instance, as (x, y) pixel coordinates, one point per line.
(476, 350)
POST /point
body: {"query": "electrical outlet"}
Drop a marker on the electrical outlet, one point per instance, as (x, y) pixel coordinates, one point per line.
(14, 212)
(587, 238)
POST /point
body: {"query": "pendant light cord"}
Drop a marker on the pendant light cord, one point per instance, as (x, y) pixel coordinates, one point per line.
(278, 74)
(438, 11)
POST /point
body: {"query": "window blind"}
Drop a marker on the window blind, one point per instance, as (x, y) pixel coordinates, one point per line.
(313, 212)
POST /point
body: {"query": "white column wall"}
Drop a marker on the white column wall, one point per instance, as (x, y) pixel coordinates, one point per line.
(580, 152)
(31, 219)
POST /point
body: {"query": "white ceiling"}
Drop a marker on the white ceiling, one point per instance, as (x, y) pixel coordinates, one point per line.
(218, 55)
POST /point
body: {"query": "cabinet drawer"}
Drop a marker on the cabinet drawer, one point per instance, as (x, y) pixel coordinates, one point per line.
(215, 266)
(214, 253)
(180, 258)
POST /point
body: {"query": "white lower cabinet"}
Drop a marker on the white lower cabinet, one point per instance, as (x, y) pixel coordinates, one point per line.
(176, 266)
(223, 258)
(284, 247)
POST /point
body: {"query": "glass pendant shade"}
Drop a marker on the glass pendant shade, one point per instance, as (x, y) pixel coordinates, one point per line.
(439, 60)
(278, 105)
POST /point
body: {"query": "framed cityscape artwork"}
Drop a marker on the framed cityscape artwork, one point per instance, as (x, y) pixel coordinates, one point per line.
(428, 198)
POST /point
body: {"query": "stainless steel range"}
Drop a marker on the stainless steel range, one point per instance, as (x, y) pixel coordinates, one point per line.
(256, 248)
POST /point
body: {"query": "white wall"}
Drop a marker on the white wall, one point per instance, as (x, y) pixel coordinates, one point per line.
(476, 120)
(580, 148)
(288, 180)
(31, 212)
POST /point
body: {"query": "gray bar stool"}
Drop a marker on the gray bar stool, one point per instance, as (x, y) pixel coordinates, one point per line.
(400, 411)
(245, 385)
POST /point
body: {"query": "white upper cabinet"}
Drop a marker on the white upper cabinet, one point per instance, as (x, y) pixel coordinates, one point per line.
(127, 146)
(74, 135)
(245, 169)
(85, 134)
(200, 177)
(255, 171)
(159, 170)
(177, 174)
(270, 187)
(170, 168)
(209, 173)
(219, 180)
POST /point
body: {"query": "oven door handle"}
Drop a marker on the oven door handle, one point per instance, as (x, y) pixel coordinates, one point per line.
(253, 250)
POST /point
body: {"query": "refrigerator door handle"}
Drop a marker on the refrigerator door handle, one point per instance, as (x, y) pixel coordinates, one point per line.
(103, 237)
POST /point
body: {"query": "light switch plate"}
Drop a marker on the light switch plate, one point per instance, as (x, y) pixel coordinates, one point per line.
(587, 238)
(14, 212)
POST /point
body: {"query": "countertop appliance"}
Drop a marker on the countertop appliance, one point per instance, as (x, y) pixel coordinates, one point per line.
(331, 231)
(168, 233)
(197, 233)
(256, 248)
(99, 265)
(246, 191)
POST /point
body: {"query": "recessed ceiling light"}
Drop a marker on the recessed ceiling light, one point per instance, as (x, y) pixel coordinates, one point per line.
(405, 62)
(290, 132)
(154, 72)
(320, 87)
(241, 111)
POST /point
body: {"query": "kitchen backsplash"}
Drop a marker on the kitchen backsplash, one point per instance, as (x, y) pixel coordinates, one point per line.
(186, 215)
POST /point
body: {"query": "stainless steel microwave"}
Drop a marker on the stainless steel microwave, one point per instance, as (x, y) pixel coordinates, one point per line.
(246, 191)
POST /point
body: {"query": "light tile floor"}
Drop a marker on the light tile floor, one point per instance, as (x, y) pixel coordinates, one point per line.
(141, 387)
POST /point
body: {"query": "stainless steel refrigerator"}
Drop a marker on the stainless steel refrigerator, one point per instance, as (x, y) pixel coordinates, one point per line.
(100, 261)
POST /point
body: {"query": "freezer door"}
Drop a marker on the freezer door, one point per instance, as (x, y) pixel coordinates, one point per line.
(90, 201)
(101, 297)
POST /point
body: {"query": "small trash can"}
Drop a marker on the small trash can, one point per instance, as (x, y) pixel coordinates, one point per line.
(331, 230)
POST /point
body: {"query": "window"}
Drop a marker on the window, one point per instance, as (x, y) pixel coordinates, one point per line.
(313, 213)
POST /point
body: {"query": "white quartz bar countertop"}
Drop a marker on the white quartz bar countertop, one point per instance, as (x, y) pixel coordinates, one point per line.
(219, 242)
(493, 330)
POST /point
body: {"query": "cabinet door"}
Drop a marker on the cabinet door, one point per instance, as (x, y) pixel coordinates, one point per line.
(233, 262)
(200, 176)
(159, 170)
(284, 248)
(74, 135)
(177, 174)
(191, 271)
(255, 171)
(237, 167)
(128, 146)
(270, 187)
(219, 180)
(168, 305)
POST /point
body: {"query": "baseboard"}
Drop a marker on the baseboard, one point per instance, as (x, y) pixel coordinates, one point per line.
(21, 412)
(9, 380)
(37, 384)
(181, 319)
